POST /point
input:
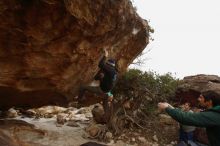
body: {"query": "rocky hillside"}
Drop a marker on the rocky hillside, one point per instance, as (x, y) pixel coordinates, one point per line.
(49, 47)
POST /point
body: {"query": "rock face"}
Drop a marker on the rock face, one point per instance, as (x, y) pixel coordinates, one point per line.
(192, 86)
(50, 47)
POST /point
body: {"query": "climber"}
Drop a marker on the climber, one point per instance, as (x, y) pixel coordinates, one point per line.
(106, 76)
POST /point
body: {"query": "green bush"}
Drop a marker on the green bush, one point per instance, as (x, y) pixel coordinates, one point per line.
(144, 90)
(150, 85)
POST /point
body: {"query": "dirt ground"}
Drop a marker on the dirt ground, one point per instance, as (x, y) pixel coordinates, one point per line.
(157, 134)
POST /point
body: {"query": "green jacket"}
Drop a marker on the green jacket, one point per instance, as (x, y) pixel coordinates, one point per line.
(210, 119)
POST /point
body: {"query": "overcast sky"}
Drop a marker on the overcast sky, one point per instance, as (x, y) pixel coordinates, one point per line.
(186, 37)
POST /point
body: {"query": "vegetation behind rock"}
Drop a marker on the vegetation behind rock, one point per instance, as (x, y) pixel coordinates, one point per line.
(149, 86)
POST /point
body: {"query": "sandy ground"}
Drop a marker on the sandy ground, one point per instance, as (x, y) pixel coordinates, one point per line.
(61, 135)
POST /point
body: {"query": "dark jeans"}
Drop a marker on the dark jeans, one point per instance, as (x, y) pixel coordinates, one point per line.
(185, 136)
(190, 143)
(92, 89)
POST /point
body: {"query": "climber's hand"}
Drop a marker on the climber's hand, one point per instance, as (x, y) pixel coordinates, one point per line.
(106, 52)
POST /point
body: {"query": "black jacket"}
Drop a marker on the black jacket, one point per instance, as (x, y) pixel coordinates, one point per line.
(110, 74)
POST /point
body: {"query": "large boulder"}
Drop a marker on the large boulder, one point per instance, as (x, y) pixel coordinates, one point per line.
(48, 48)
(6, 139)
(192, 86)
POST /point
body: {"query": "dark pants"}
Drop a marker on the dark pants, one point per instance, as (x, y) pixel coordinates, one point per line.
(92, 89)
(185, 136)
(96, 90)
